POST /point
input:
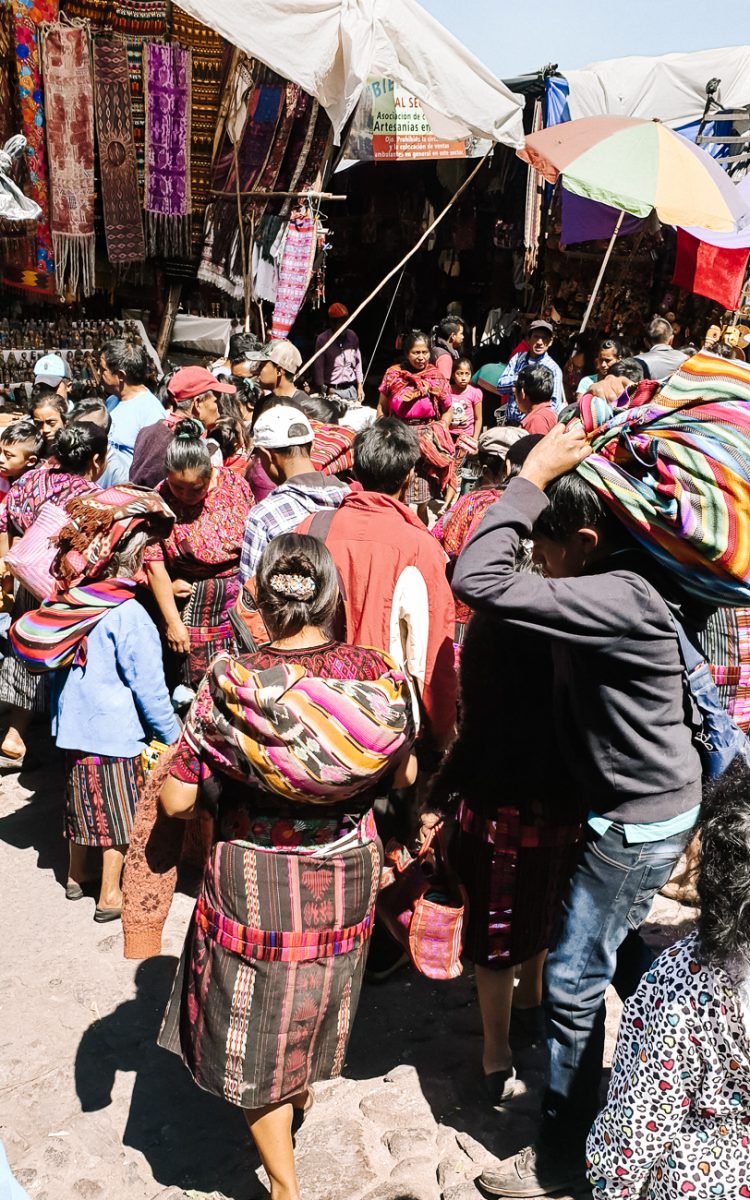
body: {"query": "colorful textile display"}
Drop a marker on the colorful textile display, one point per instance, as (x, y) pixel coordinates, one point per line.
(54, 635)
(123, 222)
(69, 90)
(295, 271)
(167, 187)
(301, 737)
(717, 272)
(205, 93)
(33, 266)
(137, 21)
(675, 469)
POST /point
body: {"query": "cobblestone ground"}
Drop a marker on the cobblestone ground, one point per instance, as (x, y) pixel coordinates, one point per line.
(91, 1108)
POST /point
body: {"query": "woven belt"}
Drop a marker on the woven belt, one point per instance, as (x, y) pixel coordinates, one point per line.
(275, 946)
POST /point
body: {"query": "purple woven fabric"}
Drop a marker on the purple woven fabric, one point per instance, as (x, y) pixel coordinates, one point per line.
(167, 189)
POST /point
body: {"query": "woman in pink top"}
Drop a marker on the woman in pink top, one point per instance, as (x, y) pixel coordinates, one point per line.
(417, 392)
(466, 423)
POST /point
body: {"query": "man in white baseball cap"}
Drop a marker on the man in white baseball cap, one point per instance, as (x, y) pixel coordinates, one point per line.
(53, 371)
(282, 441)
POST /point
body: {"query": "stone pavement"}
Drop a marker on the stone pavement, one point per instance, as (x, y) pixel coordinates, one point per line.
(92, 1109)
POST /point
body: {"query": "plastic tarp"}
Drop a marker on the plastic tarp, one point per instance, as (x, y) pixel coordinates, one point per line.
(672, 87)
(332, 47)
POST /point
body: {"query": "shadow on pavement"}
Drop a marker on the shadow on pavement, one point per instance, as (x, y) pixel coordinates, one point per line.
(191, 1140)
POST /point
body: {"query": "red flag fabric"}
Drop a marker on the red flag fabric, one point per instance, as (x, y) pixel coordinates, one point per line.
(711, 271)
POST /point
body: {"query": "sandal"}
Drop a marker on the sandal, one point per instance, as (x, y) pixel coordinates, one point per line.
(73, 891)
(500, 1086)
(102, 915)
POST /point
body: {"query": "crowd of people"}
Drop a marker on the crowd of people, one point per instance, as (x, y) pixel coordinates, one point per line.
(299, 625)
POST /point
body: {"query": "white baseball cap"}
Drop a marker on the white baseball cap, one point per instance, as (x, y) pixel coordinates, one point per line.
(51, 369)
(281, 426)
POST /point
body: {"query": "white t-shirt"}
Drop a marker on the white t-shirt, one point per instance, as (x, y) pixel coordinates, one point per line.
(129, 417)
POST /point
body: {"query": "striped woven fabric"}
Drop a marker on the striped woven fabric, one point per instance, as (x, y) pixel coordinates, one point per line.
(275, 945)
(302, 737)
(676, 470)
(54, 635)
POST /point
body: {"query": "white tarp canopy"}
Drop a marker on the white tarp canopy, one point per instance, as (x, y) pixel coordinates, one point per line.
(672, 88)
(332, 47)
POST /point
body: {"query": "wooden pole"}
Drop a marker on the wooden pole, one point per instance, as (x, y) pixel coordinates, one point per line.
(169, 316)
(261, 194)
(399, 265)
(602, 269)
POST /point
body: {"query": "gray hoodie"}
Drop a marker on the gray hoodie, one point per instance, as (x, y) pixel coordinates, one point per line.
(618, 691)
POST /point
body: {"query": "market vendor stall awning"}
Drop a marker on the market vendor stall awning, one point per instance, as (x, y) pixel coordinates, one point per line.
(332, 47)
(671, 87)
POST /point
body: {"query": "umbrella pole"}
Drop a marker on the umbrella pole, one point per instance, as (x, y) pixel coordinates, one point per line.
(602, 269)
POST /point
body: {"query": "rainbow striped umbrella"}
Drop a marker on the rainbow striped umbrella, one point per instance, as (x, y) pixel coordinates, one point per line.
(637, 166)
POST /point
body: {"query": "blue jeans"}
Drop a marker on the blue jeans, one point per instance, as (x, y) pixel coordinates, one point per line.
(610, 897)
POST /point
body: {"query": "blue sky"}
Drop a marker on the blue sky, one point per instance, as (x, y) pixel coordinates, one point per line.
(514, 37)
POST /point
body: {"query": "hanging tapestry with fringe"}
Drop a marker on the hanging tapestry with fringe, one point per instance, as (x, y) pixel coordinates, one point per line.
(30, 264)
(69, 91)
(167, 187)
(123, 219)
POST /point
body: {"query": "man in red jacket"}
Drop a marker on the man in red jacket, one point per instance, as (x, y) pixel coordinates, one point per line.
(396, 595)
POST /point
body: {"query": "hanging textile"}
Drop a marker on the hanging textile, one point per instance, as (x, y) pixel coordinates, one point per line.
(123, 222)
(167, 188)
(10, 121)
(69, 91)
(532, 226)
(295, 272)
(137, 21)
(713, 271)
(33, 267)
(205, 92)
(674, 466)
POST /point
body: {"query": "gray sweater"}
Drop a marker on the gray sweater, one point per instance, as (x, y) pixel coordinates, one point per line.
(618, 692)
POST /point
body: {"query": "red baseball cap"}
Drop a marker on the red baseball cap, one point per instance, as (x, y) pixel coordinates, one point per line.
(189, 382)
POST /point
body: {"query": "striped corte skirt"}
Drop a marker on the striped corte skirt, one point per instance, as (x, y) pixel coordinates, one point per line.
(269, 980)
(100, 798)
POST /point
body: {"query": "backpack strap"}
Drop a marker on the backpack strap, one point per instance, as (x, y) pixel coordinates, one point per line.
(320, 525)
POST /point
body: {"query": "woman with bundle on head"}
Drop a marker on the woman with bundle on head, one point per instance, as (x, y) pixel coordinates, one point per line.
(80, 459)
(418, 393)
(110, 698)
(194, 572)
(288, 747)
(677, 1117)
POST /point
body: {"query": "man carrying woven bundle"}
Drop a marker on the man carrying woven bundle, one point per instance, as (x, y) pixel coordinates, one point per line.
(629, 572)
(287, 748)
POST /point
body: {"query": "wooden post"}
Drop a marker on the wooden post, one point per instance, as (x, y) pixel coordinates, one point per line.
(168, 319)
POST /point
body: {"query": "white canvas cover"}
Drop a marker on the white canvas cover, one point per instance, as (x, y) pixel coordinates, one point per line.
(672, 87)
(332, 47)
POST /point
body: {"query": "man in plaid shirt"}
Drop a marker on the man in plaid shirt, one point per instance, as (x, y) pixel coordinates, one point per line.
(282, 440)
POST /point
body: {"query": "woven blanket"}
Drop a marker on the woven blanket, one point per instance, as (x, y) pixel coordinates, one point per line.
(205, 93)
(9, 117)
(167, 194)
(301, 737)
(123, 222)
(675, 469)
(69, 88)
(295, 273)
(33, 268)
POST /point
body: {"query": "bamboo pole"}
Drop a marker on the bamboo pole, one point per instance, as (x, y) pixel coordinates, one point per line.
(399, 265)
